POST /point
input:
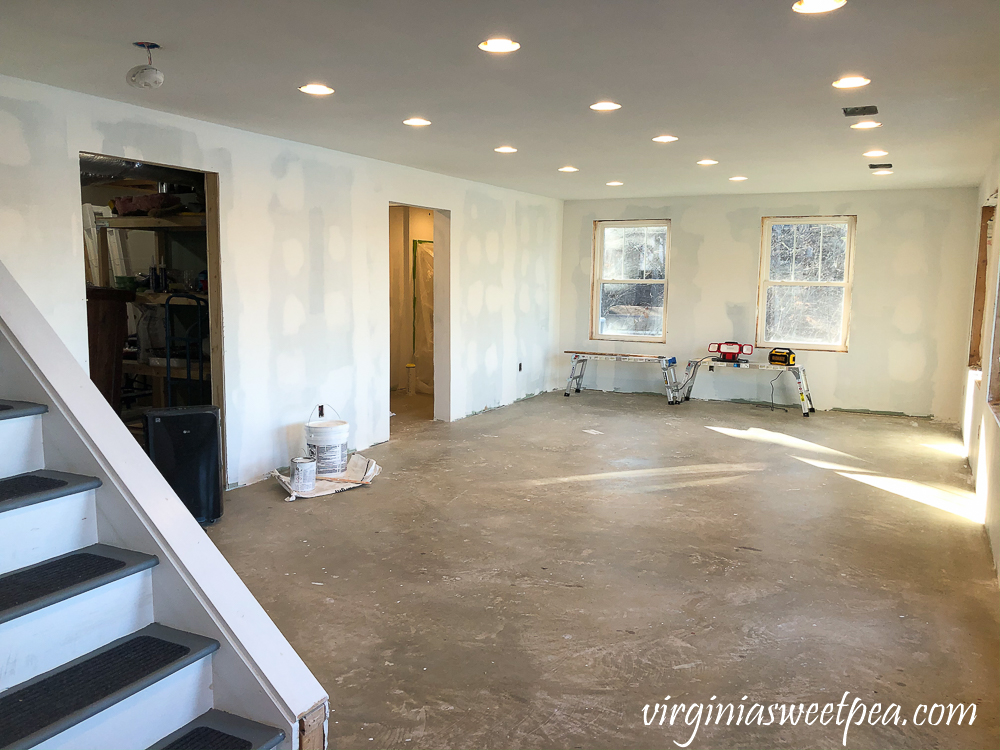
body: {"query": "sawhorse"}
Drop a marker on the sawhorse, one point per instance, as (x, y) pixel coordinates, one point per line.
(667, 364)
(799, 373)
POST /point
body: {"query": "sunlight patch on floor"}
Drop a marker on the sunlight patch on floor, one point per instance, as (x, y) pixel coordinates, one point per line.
(954, 448)
(707, 482)
(830, 466)
(641, 473)
(778, 438)
(960, 502)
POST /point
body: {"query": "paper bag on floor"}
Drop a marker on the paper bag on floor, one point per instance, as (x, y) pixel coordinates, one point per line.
(360, 470)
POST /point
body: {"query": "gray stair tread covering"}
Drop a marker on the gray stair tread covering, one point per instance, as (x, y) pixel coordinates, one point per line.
(217, 730)
(17, 409)
(44, 706)
(38, 486)
(46, 583)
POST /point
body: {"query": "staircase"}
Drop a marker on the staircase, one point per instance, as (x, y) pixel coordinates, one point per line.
(121, 625)
(84, 663)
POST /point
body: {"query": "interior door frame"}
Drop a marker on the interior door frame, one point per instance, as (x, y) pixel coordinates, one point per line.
(213, 256)
(442, 305)
(213, 241)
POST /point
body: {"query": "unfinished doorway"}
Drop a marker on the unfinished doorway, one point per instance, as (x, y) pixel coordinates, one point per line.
(154, 303)
(415, 245)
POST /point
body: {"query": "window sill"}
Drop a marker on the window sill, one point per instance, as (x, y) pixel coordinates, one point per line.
(802, 347)
(631, 339)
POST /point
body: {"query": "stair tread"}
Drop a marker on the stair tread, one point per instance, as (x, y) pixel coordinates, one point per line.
(46, 583)
(17, 409)
(218, 730)
(38, 486)
(50, 703)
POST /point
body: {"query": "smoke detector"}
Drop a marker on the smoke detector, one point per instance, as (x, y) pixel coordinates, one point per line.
(145, 76)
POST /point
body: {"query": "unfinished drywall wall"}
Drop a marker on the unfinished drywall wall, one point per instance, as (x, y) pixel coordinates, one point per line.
(305, 272)
(914, 272)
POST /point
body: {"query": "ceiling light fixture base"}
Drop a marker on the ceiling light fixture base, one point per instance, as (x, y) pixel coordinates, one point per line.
(145, 76)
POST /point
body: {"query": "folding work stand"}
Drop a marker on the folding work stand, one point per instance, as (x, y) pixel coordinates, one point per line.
(805, 397)
(670, 383)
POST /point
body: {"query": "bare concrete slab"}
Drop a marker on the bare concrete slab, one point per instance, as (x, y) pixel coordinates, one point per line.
(511, 580)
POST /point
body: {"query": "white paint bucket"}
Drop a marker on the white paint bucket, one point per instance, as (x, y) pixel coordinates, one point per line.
(326, 441)
(302, 474)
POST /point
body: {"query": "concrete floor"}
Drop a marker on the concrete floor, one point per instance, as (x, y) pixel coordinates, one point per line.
(506, 582)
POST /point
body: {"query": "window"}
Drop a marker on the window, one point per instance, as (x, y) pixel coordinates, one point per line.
(630, 280)
(806, 265)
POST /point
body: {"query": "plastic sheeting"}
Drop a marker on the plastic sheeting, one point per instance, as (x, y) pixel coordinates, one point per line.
(423, 315)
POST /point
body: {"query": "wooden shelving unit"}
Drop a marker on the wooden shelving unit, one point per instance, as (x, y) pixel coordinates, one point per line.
(174, 221)
(159, 298)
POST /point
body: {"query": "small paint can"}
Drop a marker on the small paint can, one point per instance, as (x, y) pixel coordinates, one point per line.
(302, 474)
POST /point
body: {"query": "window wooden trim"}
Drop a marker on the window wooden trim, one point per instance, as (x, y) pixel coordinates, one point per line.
(763, 282)
(596, 279)
(991, 376)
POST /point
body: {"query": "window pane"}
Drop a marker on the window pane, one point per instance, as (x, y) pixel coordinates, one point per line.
(654, 263)
(632, 309)
(805, 255)
(635, 242)
(782, 242)
(614, 244)
(808, 252)
(834, 252)
(635, 252)
(804, 314)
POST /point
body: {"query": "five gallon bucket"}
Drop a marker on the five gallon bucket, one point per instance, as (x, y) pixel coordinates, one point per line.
(326, 441)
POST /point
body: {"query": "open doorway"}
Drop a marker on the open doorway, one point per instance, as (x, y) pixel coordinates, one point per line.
(411, 314)
(154, 313)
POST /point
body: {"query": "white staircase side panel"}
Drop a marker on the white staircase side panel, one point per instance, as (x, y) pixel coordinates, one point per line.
(21, 441)
(83, 434)
(143, 718)
(37, 532)
(39, 641)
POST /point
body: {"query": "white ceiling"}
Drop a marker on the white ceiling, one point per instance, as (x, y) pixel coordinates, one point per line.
(746, 82)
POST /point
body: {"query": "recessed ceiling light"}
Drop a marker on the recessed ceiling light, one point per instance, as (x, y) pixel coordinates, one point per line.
(316, 89)
(851, 82)
(707, 162)
(875, 154)
(882, 172)
(738, 178)
(818, 6)
(605, 106)
(505, 150)
(499, 45)
(417, 122)
(665, 138)
(866, 125)
(568, 169)
(614, 183)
